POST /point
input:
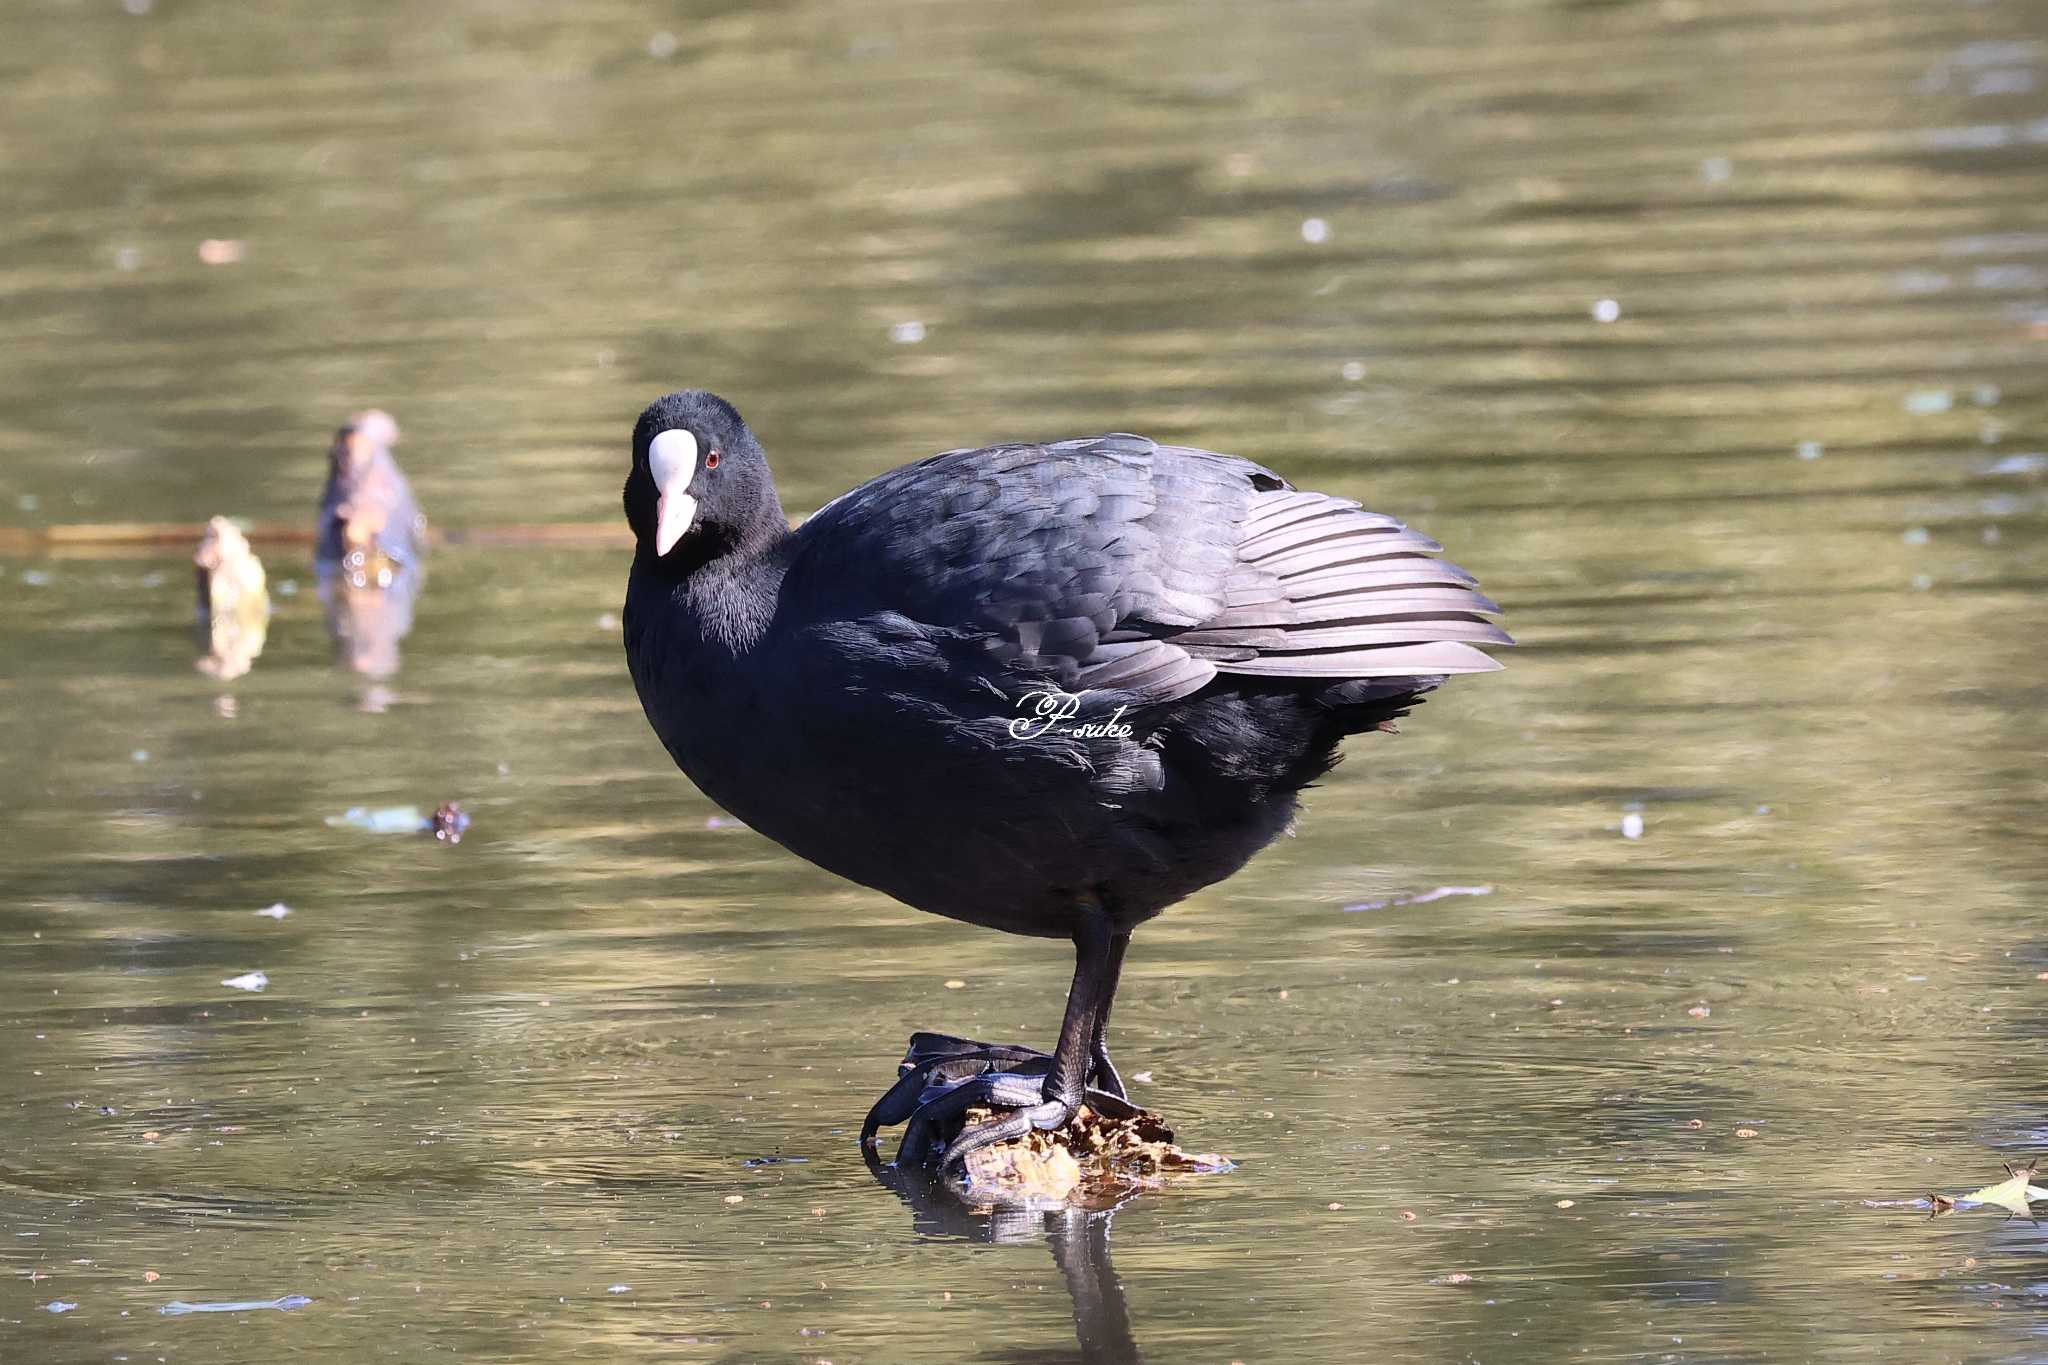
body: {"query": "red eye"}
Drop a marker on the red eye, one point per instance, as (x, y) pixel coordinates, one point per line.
(711, 460)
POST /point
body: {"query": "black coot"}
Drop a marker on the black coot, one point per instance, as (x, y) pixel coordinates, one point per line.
(370, 549)
(1049, 689)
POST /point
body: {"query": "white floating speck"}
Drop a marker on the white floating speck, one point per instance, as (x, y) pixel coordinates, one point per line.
(1986, 395)
(277, 911)
(907, 333)
(618, 1289)
(1992, 535)
(222, 251)
(607, 621)
(2017, 81)
(59, 1306)
(1715, 170)
(1994, 52)
(1606, 310)
(140, 755)
(2005, 277)
(247, 981)
(1314, 231)
(1926, 402)
(1632, 825)
(288, 588)
(1353, 371)
(28, 502)
(1921, 281)
(2030, 462)
(35, 578)
(1915, 535)
(1809, 450)
(1922, 582)
(1418, 898)
(1994, 243)
(663, 45)
(1971, 137)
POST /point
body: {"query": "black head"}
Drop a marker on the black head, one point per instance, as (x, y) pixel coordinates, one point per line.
(700, 486)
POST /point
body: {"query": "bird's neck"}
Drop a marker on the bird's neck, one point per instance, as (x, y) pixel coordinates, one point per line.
(726, 598)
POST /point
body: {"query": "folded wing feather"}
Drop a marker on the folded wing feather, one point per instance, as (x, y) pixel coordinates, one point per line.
(1148, 569)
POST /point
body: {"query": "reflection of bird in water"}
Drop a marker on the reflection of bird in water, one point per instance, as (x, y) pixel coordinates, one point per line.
(1080, 1247)
(371, 542)
(234, 603)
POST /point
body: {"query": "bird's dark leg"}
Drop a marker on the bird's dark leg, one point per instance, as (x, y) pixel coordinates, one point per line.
(1104, 1073)
(1098, 956)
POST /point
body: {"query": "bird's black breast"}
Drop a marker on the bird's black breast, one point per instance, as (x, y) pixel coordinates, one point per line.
(882, 750)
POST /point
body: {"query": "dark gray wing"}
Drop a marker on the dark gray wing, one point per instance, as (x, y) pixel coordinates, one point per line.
(1116, 563)
(1325, 589)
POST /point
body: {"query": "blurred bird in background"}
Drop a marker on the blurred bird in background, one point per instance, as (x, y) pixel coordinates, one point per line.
(371, 544)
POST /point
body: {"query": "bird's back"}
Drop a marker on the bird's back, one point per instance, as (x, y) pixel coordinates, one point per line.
(1113, 563)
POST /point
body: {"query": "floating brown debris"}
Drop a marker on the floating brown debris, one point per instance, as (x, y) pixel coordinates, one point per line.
(1094, 1161)
(449, 822)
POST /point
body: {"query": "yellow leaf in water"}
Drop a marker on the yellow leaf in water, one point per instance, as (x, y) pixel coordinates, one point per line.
(2007, 1194)
(2011, 1194)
